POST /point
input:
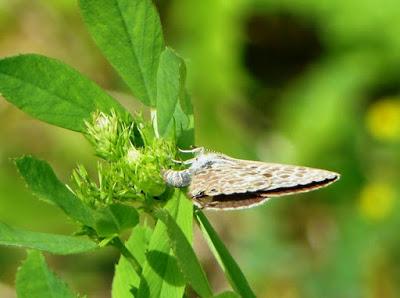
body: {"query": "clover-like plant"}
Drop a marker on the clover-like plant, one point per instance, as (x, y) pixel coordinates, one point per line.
(156, 260)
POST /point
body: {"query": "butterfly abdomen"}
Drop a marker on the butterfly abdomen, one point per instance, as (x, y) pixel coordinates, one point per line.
(177, 178)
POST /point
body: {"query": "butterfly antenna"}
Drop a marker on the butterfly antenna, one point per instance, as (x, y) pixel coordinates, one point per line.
(179, 162)
(185, 162)
(198, 150)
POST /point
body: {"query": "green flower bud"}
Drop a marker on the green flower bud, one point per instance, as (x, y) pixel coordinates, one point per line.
(109, 135)
(133, 161)
(133, 155)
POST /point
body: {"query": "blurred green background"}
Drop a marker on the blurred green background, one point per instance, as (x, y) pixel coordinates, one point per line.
(308, 82)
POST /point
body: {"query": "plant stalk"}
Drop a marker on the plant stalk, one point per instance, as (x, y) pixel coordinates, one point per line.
(117, 243)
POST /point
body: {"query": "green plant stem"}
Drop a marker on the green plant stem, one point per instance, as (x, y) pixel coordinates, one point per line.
(231, 269)
(117, 243)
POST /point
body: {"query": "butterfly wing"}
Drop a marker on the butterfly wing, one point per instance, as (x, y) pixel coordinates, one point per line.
(289, 179)
(242, 184)
(227, 179)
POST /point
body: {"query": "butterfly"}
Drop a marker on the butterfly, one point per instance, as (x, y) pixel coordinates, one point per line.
(219, 182)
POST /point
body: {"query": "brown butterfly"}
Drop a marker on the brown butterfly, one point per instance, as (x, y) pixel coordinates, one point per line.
(219, 182)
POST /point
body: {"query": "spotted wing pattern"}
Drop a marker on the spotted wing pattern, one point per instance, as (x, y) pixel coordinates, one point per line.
(241, 184)
(227, 179)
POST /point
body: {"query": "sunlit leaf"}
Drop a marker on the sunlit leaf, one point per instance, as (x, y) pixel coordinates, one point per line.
(187, 259)
(130, 35)
(161, 273)
(56, 244)
(115, 218)
(53, 92)
(174, 109)
(34, 279)
(126, 280)
(231, 269)
(41, 179)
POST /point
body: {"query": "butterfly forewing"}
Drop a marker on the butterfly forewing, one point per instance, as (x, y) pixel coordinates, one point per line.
(240, 183)
(287, 179)
(226, 179)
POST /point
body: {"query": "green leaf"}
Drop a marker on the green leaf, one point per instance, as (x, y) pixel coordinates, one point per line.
(113, 219)
(174, 109)
(56, 244)
(41, 179)
(227, 295)
(130, 35)
(161, 273)
(171, 78)
(184, 121)
(34, 279)
(230, 267)
(53, 92)
(187, 259)
(126, 281)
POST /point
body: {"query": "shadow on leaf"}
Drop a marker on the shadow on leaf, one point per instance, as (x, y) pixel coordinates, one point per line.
(159, 260)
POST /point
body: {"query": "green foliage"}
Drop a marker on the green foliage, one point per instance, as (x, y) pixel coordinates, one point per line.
(129, 34)
(114, 218)
(171, 92)
(29, 81)
(55, 244)
(161, 273)
(343, 60)
(34, 279)
(107, 220)
(157, 260)
(41, 179)
(174, 108)
(227, 263)
(109, 135)
(129, 172)
(126, 280)
(185, 255)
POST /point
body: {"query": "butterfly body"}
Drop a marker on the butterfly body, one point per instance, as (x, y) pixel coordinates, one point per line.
(217, 181)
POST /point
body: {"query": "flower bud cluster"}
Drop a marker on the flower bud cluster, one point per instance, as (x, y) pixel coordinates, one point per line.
(109, 135)
(132, 161)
